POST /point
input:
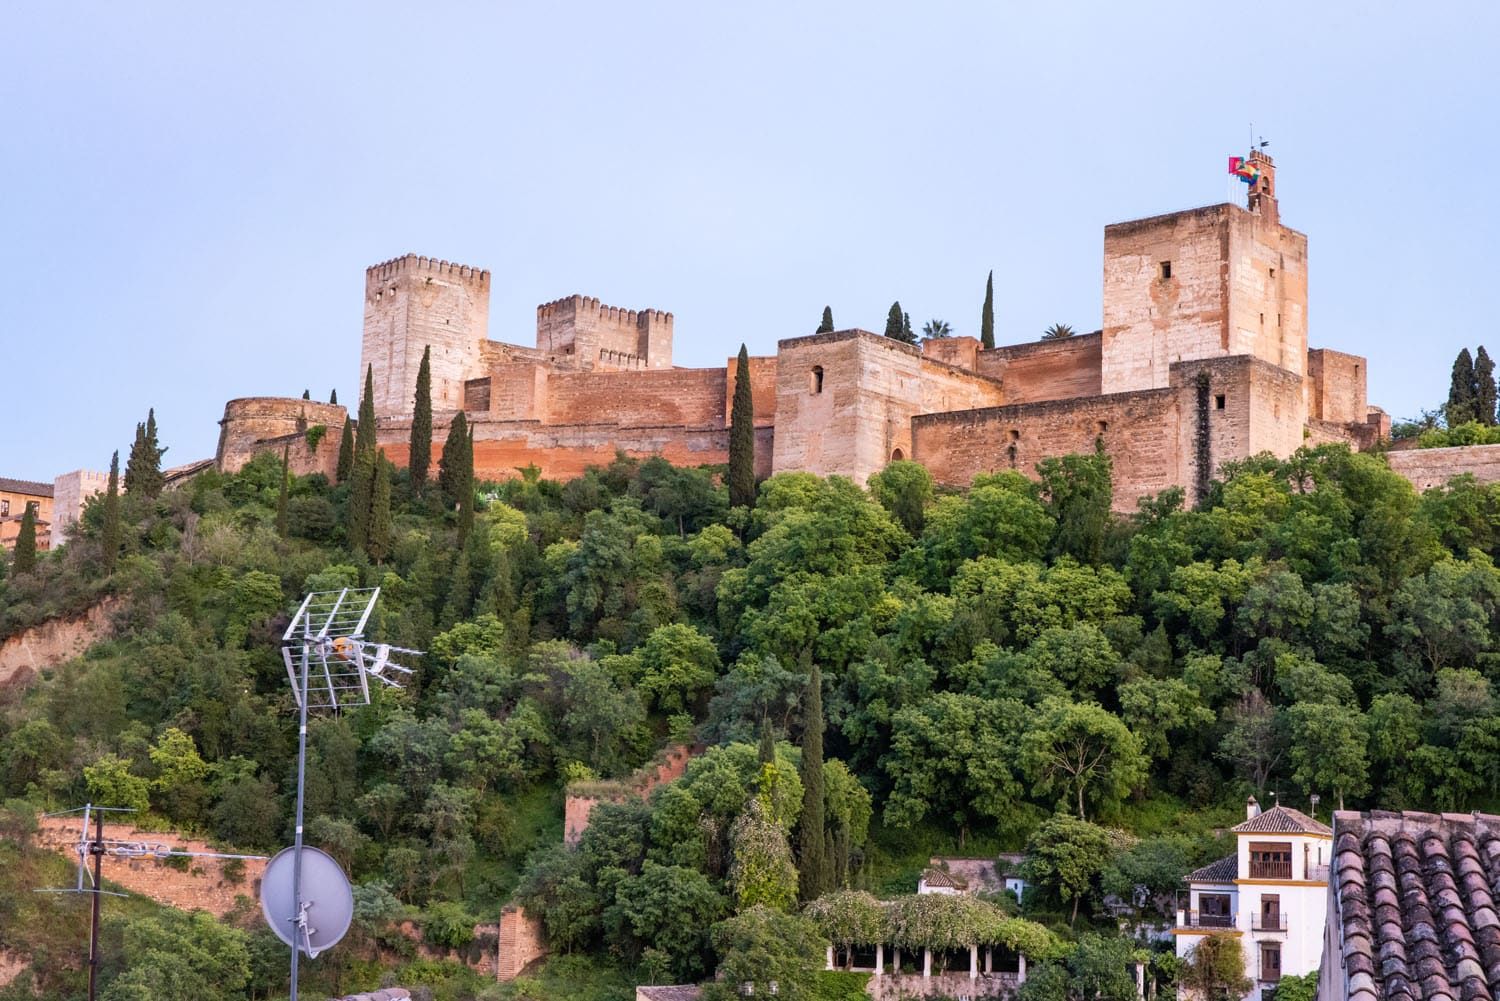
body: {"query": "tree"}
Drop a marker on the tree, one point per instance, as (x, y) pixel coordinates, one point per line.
(678, 666)
(848, 918)
(905, 489)
(1215, 968)
(1067, 856)
(1463, 392)
(456, 466)
(742, 436)
(936, 330)
(378, 542)
(420, 454)
(667, 907)
(24, 558)
(826, 326)
(987, 316)
(345, 463)
(110, 532)
(333, 396)
(764, 952)
(362, 472)
(143, 468)
(1484, 387)
(1329, 748)
(811, 859)
(1083, 752)
(897, 327)
(281, 496)
(1078, 491)
(1057, 332)
(1257, 739)
(762, 873)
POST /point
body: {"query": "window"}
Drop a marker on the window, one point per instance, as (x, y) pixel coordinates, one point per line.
(897, 455)
(1219, 402)
(1270, 913)
(4, 508)
(1270, 961)
(1100, 427)
(1273, 272)
(1166, 270)
(1213, 911)
(816, 383)
(1270, 860)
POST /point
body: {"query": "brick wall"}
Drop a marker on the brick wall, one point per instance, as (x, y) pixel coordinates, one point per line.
(1433, 467)
(960, 352)
(762, 389)
(1046, 370)
(520, 944)
(686, 397)
(264, 423)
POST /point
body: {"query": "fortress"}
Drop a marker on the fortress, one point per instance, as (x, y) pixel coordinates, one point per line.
(1202, 358)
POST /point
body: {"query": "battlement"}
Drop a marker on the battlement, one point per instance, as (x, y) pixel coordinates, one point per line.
(415, 264)
(590, 333)
(575, 305)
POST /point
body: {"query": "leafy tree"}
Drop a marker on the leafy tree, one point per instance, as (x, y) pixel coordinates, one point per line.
(897, 326)
(1484, 388)
(111, 783)
(110, 532)
(987, 314)
(825, 326)
(934, 330)
(670, 908)
(762, 872)
(905, 489)
(420, 453)
(1215, 968)
(1155, 708)
(1057, 332)
(678, 665)
(378, 541)
(1100, 968)
(1257, 738)
(182, 957)
(742, 436)
(811, 860)
(1077, 490)
(1292, 987)
(23, 559)
(1067, 857)
(763, 951)
(1329, 748)
(143, 475)
(1463, 391)
(1082, 752)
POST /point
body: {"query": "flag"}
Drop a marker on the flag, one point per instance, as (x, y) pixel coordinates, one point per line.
(1244, 169)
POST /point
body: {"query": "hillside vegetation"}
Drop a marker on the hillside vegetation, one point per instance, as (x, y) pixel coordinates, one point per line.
(1005, 667)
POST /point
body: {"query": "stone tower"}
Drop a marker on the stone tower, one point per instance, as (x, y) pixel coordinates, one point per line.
(1206, 283)
(412, 302)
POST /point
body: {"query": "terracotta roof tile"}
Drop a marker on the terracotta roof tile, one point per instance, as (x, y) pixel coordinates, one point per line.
(683, 992)
(1281, 820)
(30, 487)
(1223, 871)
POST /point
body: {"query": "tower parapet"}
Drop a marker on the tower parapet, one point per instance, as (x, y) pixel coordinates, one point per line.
(590, 334)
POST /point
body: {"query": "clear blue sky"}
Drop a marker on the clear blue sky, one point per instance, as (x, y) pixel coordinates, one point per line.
(189, 193)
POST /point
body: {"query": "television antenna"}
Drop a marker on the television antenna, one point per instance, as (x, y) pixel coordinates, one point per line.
(330, 663)
(97, 847)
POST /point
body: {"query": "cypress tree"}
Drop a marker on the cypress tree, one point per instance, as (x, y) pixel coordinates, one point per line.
(893, 321)
(286, 478)
(460, 592)
(456, 465)
(333, 397)
(742, 437)
(987, 317)
(466, 508)
(421, 426)
(812, 862)
(907, 334)
(307, 394)
(378, 545)
(362, 472)
(1460, 408)
(25, 555)
(109, 537)
(826, 327)
(149, 479)
(767, 750)
(134, 459)
(364, 431)
(1484, 387)
(346, 453)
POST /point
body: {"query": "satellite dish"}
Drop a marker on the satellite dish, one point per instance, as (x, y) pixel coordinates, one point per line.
(327, 900)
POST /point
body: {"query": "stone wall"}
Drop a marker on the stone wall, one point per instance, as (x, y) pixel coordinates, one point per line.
(579, 803)
(270, 424)
(591, 335)
(960, 352)
(1046, 370)
(1433, 467)
(412, 303)
(521, 943)
(762, 389)
(69, 493)
(1336, 387)
(684, 397)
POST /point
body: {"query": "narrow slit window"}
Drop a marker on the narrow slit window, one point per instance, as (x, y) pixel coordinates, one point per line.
(817, 379)
(1166, 270)
(1219, 402)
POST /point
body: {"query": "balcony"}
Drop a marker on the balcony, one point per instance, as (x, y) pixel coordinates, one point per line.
(1268, 922)
(1270, 869)
(1197, 919)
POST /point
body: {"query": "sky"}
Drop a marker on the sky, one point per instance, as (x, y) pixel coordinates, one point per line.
(190, 193)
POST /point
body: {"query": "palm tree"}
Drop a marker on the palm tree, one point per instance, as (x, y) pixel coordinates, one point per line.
(934, 330)
(1057, 332)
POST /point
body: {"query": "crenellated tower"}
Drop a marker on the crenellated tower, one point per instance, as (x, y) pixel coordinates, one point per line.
(412, 302)
(581, 331)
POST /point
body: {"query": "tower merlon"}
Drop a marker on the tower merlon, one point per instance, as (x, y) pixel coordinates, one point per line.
(416, 264)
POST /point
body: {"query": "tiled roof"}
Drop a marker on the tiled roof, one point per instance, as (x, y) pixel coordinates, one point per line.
(937, 877)
(979, 874)
(684, 992)
(1417, 913)
(1223, 871)
(31, 487)
(1281, 820)
(384, 994)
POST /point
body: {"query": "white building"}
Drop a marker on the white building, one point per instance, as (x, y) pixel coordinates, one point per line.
(974, 875)
(1272, 894)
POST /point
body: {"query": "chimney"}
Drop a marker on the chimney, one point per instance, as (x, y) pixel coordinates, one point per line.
(1252, 809)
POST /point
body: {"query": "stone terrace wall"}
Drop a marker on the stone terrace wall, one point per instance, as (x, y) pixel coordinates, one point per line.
(684, 397)
(521, 943)
(1046, 370)
(265, 423)
(668, 767)
(1433, 467)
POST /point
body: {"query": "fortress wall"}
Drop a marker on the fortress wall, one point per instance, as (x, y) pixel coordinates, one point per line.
(1433, 467)
(762, 389)
(262, 423)
(1138, 430)
(1336, 386)
(518, 391)
(947, 387)
(1267, 285)
(591, 333)
(961, 352)
(685, 397)
(1046, 370)
(412, 303)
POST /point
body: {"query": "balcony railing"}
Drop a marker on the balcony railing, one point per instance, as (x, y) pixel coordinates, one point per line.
(1197, 919)
(1271, 870)
(1318, 872)
(1268, 922)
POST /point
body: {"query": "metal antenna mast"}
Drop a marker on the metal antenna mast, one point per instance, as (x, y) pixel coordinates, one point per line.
(329, 663)
(100, 846)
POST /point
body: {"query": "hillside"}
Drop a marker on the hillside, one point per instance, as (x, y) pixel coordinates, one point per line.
(1315, 627)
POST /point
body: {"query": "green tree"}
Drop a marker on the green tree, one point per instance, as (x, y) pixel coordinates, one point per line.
(281, 496)
(761, 872)
(668, 907)
(936, 330)
(378, 542)
(826, 325)
(182, 957)
(678, 666)
(742, 436)
(812, 861)
(143, 475)
(1057, 332)
(1484, 387)
(23, 560)
(896, 325)
(110, 532)
(333, 396)
(1067, 857)
(111, 783)
(905, 489)
(1329, 748)
(1463, 391)
(987, 315)
(1215, 968)
(1078, 490)
(345, 464)
(765, 952)
(1082, 752)
(456, 468)
(420, 454)
(362, 471)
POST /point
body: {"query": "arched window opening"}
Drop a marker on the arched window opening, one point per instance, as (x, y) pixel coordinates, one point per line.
(817, 379)
(897, 455)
